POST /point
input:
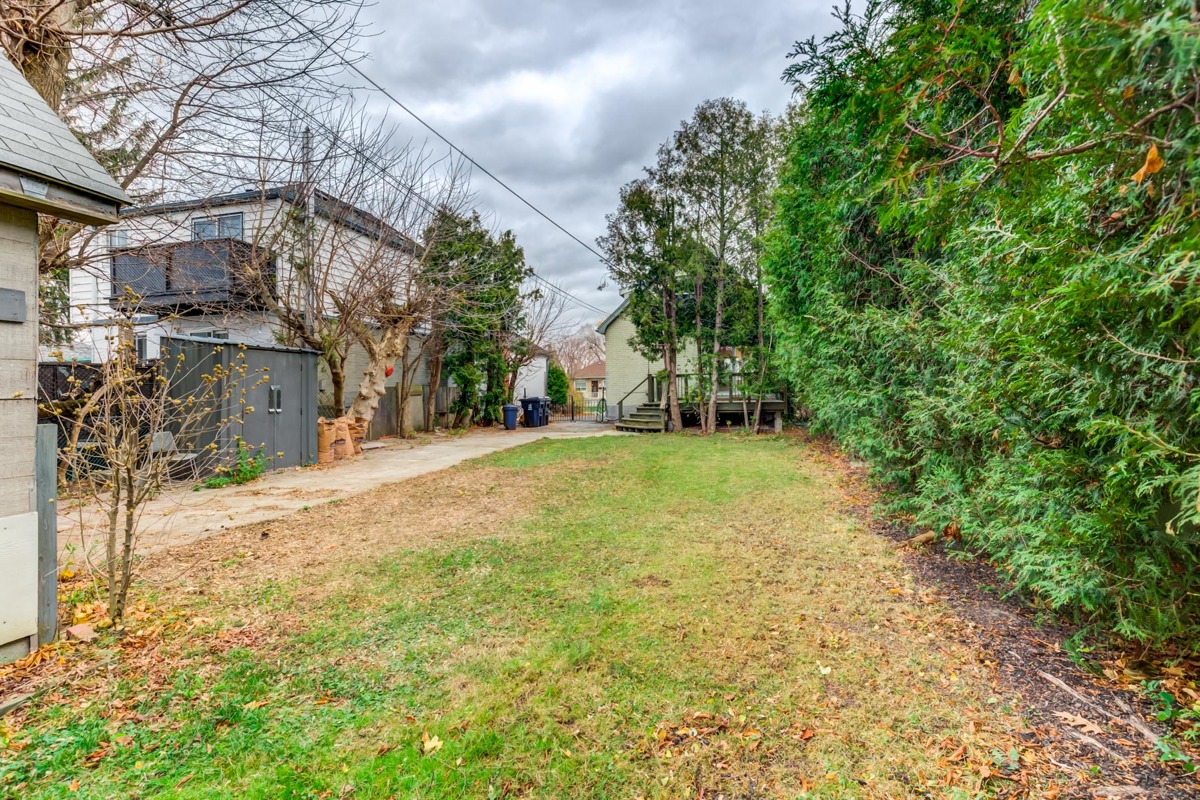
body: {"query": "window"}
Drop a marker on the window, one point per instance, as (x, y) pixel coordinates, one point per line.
(222, 226)
(595, 387)
(140, 343)
(581, 385)
(118, 238)
(211, 334)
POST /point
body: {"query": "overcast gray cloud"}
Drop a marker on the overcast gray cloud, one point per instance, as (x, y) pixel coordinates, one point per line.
(567, 101)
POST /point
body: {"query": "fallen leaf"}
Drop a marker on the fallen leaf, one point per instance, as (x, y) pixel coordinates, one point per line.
(430, 744)
(74, 787)
(807, 734)
(81, 633)
(1076, 721)
(825, 670)
(1153, 164)
(254, 704)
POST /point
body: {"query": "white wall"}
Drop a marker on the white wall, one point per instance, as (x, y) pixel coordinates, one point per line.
(531, 379)
(91, 285)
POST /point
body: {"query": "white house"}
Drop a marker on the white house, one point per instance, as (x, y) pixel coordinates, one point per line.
(531, 378)
(182, 267)
(43, 169)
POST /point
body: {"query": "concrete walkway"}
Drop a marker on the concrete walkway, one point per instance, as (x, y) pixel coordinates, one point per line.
(181, 515)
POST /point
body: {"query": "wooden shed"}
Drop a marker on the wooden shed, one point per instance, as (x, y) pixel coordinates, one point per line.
(43, 170)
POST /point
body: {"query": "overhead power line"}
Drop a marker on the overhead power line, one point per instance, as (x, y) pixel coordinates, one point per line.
(454, 148)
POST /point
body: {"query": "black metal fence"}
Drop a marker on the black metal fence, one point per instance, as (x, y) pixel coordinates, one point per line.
(576, 410)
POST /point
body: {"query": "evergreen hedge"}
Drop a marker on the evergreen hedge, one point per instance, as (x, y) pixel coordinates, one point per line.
(984, 280)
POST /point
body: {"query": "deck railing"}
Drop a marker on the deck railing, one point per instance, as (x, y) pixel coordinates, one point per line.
(692, 389)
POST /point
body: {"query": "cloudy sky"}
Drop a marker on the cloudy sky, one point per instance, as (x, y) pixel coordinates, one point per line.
(567, 101)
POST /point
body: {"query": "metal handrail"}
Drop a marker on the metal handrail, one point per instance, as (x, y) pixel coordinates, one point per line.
(621, 402)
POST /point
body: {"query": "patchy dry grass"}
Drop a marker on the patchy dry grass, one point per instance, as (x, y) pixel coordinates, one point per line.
(606, 618)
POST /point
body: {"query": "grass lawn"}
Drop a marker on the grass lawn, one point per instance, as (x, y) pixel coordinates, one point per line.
(616, 617)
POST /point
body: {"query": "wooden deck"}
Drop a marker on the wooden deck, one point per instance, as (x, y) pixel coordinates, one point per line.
(642, 409)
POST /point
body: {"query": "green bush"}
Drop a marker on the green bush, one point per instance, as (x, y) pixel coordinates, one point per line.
(247, 466)
(558, 385)
(984, 281)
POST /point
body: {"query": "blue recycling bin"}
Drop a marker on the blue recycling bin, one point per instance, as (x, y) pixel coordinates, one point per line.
(510, 417)
(532, 407)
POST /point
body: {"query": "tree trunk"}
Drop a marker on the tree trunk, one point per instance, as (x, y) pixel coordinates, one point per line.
(337, 380)
(699, 291)
(403, 425)
(716, 352)
(44, 57)
(435, 377)
(381, 355)
(671, 357)
(762, 349)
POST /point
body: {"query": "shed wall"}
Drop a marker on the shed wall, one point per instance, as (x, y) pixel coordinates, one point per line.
(18, 421)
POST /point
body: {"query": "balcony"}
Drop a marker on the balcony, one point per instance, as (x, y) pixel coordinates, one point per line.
(191, 277)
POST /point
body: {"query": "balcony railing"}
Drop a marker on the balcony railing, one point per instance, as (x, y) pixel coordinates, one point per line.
(189, 275)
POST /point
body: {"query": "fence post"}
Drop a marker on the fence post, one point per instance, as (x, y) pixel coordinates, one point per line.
(46, 469)
(572, 408)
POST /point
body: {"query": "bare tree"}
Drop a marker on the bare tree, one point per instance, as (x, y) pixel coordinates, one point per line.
(538, 327)
(163, 93)
(135, 425)
(578, 349)
(337, 257)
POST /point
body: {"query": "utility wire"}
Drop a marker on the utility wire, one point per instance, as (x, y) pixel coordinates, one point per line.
(397, 183)
(455, 148)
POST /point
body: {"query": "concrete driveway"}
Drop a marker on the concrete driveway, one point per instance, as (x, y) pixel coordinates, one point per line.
(181, 515)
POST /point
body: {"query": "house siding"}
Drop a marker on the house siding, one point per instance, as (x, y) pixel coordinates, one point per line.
(18, 418)
(357, 362)
(626, 367)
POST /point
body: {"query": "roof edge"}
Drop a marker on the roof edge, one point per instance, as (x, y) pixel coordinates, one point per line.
(611, 318)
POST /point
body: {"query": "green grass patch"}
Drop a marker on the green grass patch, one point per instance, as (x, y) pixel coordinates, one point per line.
(676, 615)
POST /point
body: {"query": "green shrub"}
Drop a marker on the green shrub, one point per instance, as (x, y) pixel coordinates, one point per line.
(247, 466)
(558, 385)
(984, 281)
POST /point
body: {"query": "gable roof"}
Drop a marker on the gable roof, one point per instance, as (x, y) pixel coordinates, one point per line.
(36, 144)
(611, 318)
(594, 370)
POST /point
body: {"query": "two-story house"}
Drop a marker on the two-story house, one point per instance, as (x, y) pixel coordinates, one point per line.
(208, 267)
